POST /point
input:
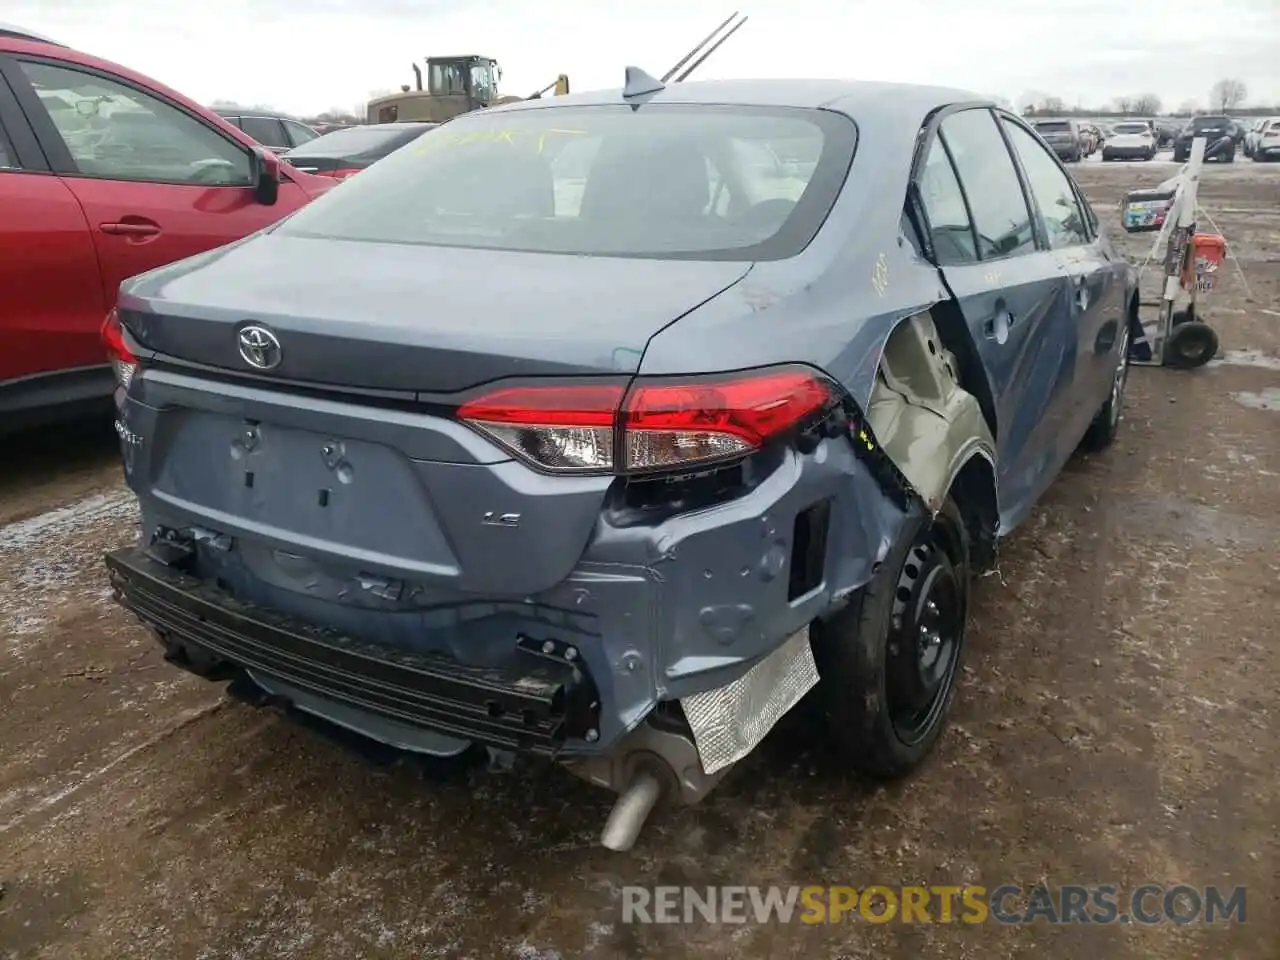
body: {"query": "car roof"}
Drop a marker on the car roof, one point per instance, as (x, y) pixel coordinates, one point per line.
(400, 125)
(11, 31)
(854, 97)
(76, 57)
(253, 112)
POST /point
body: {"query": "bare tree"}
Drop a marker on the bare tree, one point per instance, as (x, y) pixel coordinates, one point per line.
(1228, 94)
(1124, 104)
(1052, 105)
(1147, 104)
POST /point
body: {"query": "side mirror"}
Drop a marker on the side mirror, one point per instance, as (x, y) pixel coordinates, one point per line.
(265, 168)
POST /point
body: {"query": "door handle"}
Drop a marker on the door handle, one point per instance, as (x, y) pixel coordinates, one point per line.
(130, 229)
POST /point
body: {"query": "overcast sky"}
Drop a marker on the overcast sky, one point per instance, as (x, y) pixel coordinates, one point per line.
(305, 56)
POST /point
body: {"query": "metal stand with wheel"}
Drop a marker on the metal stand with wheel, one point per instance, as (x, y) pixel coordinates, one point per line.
(1177, 337)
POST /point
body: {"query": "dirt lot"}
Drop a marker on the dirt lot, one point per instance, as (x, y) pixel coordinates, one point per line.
(1117, 723)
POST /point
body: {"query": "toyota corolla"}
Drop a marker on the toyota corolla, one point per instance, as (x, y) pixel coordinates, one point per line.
(575, 428)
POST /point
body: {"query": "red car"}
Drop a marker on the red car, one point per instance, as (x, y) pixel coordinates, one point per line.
(105, 174)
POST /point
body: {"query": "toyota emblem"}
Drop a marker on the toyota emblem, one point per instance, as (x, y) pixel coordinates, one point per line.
(259, 347)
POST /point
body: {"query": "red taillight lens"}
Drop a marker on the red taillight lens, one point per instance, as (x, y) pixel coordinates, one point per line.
(122, 359)
(563, 428)
(662, 424)
(673, 424)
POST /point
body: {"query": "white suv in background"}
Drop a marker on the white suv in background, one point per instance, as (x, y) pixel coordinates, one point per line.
(1262, 142)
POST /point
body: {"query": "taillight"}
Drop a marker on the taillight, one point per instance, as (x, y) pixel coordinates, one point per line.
(123, 362)
(656, 424)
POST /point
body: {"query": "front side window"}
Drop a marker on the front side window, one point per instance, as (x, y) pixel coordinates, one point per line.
(669, 182)
(1050, 185)
(1001, 219)
(117, 132)
(950, 231)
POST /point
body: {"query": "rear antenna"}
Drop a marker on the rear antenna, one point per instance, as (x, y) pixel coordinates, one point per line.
(710, 50)
(702, 43)
(639, 83)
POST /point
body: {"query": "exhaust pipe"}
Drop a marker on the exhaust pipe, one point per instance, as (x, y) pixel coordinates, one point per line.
(417, 75)
(630, 812)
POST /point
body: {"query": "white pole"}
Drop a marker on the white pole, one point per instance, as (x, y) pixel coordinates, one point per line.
(1178, 241)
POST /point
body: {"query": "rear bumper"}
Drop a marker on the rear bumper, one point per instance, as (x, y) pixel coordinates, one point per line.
(210, 633)
(1123, 152)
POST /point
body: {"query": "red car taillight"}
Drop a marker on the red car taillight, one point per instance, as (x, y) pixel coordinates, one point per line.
(656, 424)
(122, 360)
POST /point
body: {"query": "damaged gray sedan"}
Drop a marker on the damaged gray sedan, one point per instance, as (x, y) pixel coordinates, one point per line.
(607, 427)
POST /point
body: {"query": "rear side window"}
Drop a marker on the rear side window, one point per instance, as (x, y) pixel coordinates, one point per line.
(117, 132)
(298, 132)
(669, 181)
(949, 227)
(266, 130)
(1001, 218)
(1063, 218)
(7, 161)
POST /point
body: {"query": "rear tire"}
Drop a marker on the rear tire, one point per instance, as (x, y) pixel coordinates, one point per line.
(1106, 424)
(889, 662)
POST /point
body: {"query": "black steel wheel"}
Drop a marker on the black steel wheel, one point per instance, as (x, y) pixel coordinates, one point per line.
(1190, 344)
(925, 633)
(890, 661)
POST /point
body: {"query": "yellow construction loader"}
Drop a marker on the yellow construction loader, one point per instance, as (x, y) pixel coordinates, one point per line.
(454, 85)
(457, 85)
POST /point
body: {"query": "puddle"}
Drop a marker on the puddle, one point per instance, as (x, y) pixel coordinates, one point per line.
(1268, 399)
(1246, 358)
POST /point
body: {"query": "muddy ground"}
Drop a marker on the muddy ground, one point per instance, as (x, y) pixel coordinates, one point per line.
(1117, 722)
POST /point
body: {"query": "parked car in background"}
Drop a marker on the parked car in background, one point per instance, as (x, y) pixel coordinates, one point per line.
(477, 450)
(1131, 140)
(349, 150)
(1266, 140)
(104, 174)
(1218, 132)
(273, 130)
(1063, 136)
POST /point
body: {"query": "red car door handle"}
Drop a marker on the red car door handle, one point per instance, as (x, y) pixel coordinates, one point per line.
(130, 229)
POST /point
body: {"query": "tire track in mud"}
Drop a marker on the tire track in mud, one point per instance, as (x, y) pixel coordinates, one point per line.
(50, 560)
(75, 710)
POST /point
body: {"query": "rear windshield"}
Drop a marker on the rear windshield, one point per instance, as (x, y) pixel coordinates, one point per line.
(1131, 128)
(1203, 123)
(354, 141)
(664, 181)
(1053, 126)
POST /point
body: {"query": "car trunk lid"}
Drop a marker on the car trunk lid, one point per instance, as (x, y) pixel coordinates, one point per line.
(399, 317)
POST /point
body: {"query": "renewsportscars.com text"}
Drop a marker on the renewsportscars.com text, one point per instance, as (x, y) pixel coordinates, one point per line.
(1006, 904)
